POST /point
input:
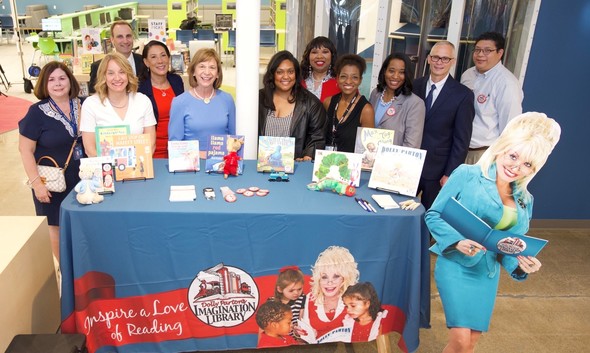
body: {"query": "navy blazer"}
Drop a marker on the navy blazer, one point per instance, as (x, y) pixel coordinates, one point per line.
(94, 70)
(146, 88)
(447, 127)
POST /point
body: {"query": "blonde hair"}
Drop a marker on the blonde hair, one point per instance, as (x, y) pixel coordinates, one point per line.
(101, 83)
(341, 261)
(533, 135)
(202, 55)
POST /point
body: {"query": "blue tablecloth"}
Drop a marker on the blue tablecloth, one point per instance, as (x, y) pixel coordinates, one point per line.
(129, 262)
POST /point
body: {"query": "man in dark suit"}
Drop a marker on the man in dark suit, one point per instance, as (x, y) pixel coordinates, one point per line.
(448, 123)
(122, 39)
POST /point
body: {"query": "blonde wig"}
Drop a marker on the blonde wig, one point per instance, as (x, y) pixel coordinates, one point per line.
(533, 135)
(336, 259)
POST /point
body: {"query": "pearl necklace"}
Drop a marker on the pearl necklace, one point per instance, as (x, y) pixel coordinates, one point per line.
(383, 101)
(205, 100)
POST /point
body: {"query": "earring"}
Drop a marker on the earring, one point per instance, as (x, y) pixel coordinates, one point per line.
(310, 72)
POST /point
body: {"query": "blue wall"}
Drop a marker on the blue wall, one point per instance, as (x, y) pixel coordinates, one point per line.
(556, 83)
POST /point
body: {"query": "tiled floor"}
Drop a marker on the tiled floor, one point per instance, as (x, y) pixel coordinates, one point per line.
(548, 313)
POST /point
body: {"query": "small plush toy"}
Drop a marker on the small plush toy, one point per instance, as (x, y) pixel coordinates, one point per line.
(231, 159)
(339, 187)
(87, 186)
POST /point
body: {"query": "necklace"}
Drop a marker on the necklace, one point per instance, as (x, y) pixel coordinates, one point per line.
(383, 101)
(119, 107)
(205, 100)
(162, 91)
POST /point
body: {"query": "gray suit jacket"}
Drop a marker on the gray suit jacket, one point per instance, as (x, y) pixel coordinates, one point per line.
(408, 120)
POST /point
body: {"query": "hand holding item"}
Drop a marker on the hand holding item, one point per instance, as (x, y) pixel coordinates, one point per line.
(528, 264)
(469, 247)
(41, 193)
(409, 205)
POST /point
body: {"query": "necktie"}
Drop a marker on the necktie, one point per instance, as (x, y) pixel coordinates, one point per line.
(429, 98)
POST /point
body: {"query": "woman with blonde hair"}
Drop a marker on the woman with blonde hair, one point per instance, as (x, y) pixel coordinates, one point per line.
(334, 271)
(204, 109)
(495, 189)
(116, 102)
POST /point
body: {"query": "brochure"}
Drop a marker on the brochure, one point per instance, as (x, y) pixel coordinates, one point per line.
(499, 241)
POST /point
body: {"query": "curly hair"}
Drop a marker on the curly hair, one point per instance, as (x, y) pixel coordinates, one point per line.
(41, 91)
(271, 311)
(101, 84)
(316, 43)
(365, 292)
(339, 260)
(533, 135)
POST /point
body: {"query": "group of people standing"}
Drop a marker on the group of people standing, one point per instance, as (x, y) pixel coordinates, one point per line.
(318, 102)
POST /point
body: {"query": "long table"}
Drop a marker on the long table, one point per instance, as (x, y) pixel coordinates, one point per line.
(134, 266)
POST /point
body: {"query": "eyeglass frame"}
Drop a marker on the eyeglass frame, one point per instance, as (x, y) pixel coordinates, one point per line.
(484, 51)
(522, 166)
(440, 58)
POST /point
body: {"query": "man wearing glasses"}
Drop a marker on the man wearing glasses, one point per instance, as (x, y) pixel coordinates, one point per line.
(498, 95)
(448, 123)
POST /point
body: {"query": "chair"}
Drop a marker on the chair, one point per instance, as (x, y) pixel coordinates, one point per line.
(49, 49)
(206, 34)
(231, 43)
(184, 36)
(7, 25)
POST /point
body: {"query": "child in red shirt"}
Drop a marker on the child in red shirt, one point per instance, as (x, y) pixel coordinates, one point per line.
(274, 318)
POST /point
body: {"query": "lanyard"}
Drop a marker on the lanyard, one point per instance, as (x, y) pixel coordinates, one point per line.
(72, 119)
(335, 121)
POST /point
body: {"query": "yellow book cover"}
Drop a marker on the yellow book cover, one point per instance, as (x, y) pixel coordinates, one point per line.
(133, 157)
(86, 61)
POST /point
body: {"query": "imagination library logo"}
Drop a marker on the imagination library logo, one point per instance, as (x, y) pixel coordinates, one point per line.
(223, 296)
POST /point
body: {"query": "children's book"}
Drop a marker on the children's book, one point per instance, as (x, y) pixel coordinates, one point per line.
(340, 166)
(104, 138)
(86, 61)
(499, 241)
(276, 154)
(177, 63)
(397, 169)
(218, 148)
(308, 334)
(103, 173)
(132, 155)
(107, 45)
(368, 140)
(183, 156)
(91, 42)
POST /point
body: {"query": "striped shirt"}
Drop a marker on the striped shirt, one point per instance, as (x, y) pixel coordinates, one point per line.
(278, 126)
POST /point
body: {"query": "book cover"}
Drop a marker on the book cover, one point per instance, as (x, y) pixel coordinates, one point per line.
(341, 166)
(91, 43)
(84, 92)
(276, 154)
(218, 148)
(177, 63)
(499, 241)
(397, 169)
(132, 155)
(104, 138)
(86, 61)
(157, 30)
(103, 172)
(107, 45)
(368, 140)
(183, 156)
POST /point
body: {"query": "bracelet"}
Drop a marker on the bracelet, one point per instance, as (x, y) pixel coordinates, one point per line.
(30, 182)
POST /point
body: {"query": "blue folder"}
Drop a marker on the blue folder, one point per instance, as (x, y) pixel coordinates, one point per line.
(499, 241)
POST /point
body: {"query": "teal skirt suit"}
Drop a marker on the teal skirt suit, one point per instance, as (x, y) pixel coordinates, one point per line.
(468, 284)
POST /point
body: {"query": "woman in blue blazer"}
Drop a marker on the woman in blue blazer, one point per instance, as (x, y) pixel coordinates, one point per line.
(495, 189)
(161, 86)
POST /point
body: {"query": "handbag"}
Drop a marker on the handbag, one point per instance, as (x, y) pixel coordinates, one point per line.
(53, 176)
